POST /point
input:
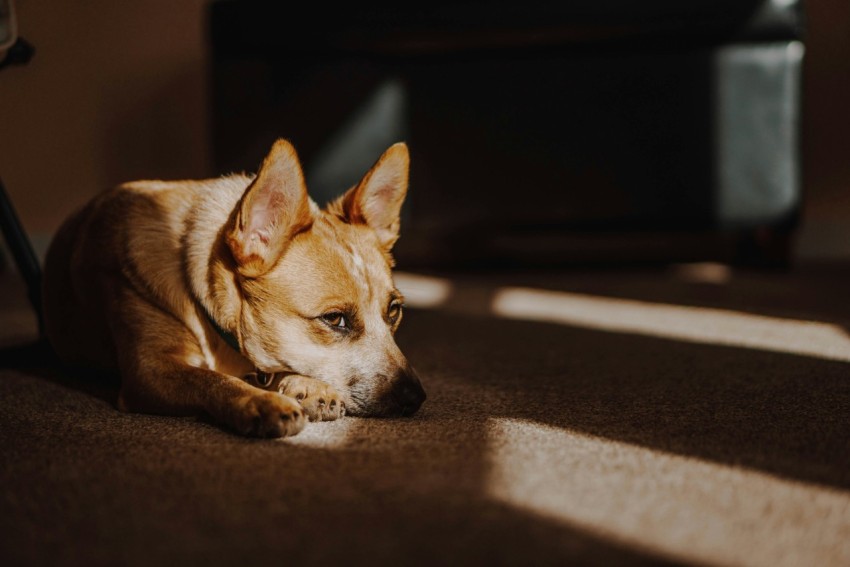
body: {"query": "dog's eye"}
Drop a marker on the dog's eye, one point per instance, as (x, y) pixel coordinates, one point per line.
(335, 319)
(394, 311)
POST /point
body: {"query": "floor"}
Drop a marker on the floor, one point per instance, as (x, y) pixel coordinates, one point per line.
(689, 414)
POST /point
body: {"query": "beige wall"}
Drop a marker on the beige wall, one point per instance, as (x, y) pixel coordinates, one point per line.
(116, 91)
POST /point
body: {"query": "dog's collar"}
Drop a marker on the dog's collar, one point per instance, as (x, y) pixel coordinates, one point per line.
(262, 379)
(225, 335)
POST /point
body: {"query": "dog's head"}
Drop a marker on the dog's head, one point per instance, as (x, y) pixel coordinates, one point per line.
(318, 297)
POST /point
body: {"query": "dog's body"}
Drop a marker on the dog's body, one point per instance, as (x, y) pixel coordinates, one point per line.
(186, 287)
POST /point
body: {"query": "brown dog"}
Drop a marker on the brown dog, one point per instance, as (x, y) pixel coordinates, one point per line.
(186, 287)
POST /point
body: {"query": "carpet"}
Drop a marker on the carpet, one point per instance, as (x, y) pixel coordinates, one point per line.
(690, 415)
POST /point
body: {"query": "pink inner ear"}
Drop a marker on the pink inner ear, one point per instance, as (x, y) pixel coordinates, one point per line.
(381, 206)
(384, 194)
(266, 211)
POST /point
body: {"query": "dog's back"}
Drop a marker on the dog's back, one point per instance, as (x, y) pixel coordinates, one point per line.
(131, 235)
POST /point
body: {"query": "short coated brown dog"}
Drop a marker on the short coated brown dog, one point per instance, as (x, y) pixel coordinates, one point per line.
(198, 292)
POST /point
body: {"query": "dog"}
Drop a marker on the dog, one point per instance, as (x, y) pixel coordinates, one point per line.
(238, 297)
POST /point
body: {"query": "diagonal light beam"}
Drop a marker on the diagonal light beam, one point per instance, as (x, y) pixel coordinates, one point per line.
(693, 324)
(678, 507)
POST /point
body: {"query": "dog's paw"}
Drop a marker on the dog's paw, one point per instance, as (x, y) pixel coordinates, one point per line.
(320, 400)
(269, 414)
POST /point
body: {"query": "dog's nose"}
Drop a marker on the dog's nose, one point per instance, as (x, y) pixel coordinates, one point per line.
(408, 392)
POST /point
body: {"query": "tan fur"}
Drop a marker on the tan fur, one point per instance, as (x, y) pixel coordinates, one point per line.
(128, 280)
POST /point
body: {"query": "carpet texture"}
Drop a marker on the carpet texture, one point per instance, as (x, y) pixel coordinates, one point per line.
(688, 415)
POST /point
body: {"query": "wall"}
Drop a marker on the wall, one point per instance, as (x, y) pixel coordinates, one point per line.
(116, 91)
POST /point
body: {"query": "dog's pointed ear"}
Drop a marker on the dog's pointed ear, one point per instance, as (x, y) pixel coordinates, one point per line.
(376, 201)
(274, 208)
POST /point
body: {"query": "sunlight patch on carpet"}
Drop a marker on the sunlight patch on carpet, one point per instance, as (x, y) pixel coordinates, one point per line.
(713, 273)
(425, 292)
(325, 434)
(692, 324)
(678, 507)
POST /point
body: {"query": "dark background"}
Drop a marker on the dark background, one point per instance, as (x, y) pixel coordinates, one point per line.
(119, 92)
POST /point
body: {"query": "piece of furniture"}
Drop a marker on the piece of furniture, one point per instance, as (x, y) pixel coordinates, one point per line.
(541, 132)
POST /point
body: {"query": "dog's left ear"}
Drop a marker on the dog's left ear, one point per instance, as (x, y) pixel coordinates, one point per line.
(376, 201)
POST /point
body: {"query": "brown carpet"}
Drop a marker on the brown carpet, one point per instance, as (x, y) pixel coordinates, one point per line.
(683, 416)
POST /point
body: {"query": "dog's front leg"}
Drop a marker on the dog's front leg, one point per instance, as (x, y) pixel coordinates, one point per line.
(160, 364)
(166, 386)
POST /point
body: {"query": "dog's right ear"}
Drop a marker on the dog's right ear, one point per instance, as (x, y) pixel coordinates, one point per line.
(274, 208)
(376, 201)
